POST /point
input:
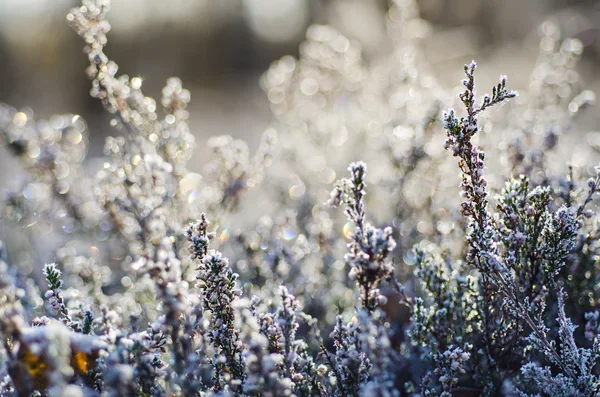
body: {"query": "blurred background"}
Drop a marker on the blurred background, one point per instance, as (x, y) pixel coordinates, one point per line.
(220, 48)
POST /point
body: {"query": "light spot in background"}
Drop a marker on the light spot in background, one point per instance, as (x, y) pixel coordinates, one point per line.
(289, 233)
(136, 83)
(348, 229)
(126, 282)
(298, 189)
(20, 119)
(74, 136)
(224, 236)
(170, 119)
(339, 136)
(189, 186)
(31, 191)
(424, 227)
(444, 227)
(327, 176)
(309, 86)
(409, 257)
(317, 163)
(276, 20)
(33, 151)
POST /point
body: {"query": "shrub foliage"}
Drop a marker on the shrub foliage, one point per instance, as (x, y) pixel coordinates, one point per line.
(171, 283)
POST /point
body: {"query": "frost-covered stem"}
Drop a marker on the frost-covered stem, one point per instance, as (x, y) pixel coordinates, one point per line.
(335, 370)
(484, 252)
(356, 213)
(89, 21)
(53, 294)
(88, 320)
(218, 286)
(289, 327)
(174, 310)
(199, 237)
(370, 247)
(593, 188)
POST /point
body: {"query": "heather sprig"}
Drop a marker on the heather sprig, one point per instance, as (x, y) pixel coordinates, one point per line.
(370, 248)
(363, 358)
(487, 256)
(54, 293)
(219, 289)
(447, 313)
(580, 380)
(450, 365)
(592, 183)
(471, 157)
(484, 252)
(277, 362)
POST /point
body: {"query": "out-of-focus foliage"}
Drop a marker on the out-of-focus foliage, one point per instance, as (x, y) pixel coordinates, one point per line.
(159, 288)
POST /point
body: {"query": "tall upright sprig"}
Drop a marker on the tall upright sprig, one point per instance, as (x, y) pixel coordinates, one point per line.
(484, 253)
(370, 248)
(54, 293)
(218, 286)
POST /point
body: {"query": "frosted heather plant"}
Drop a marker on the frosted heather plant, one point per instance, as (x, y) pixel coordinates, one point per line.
(290, 298)
(523, 267)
